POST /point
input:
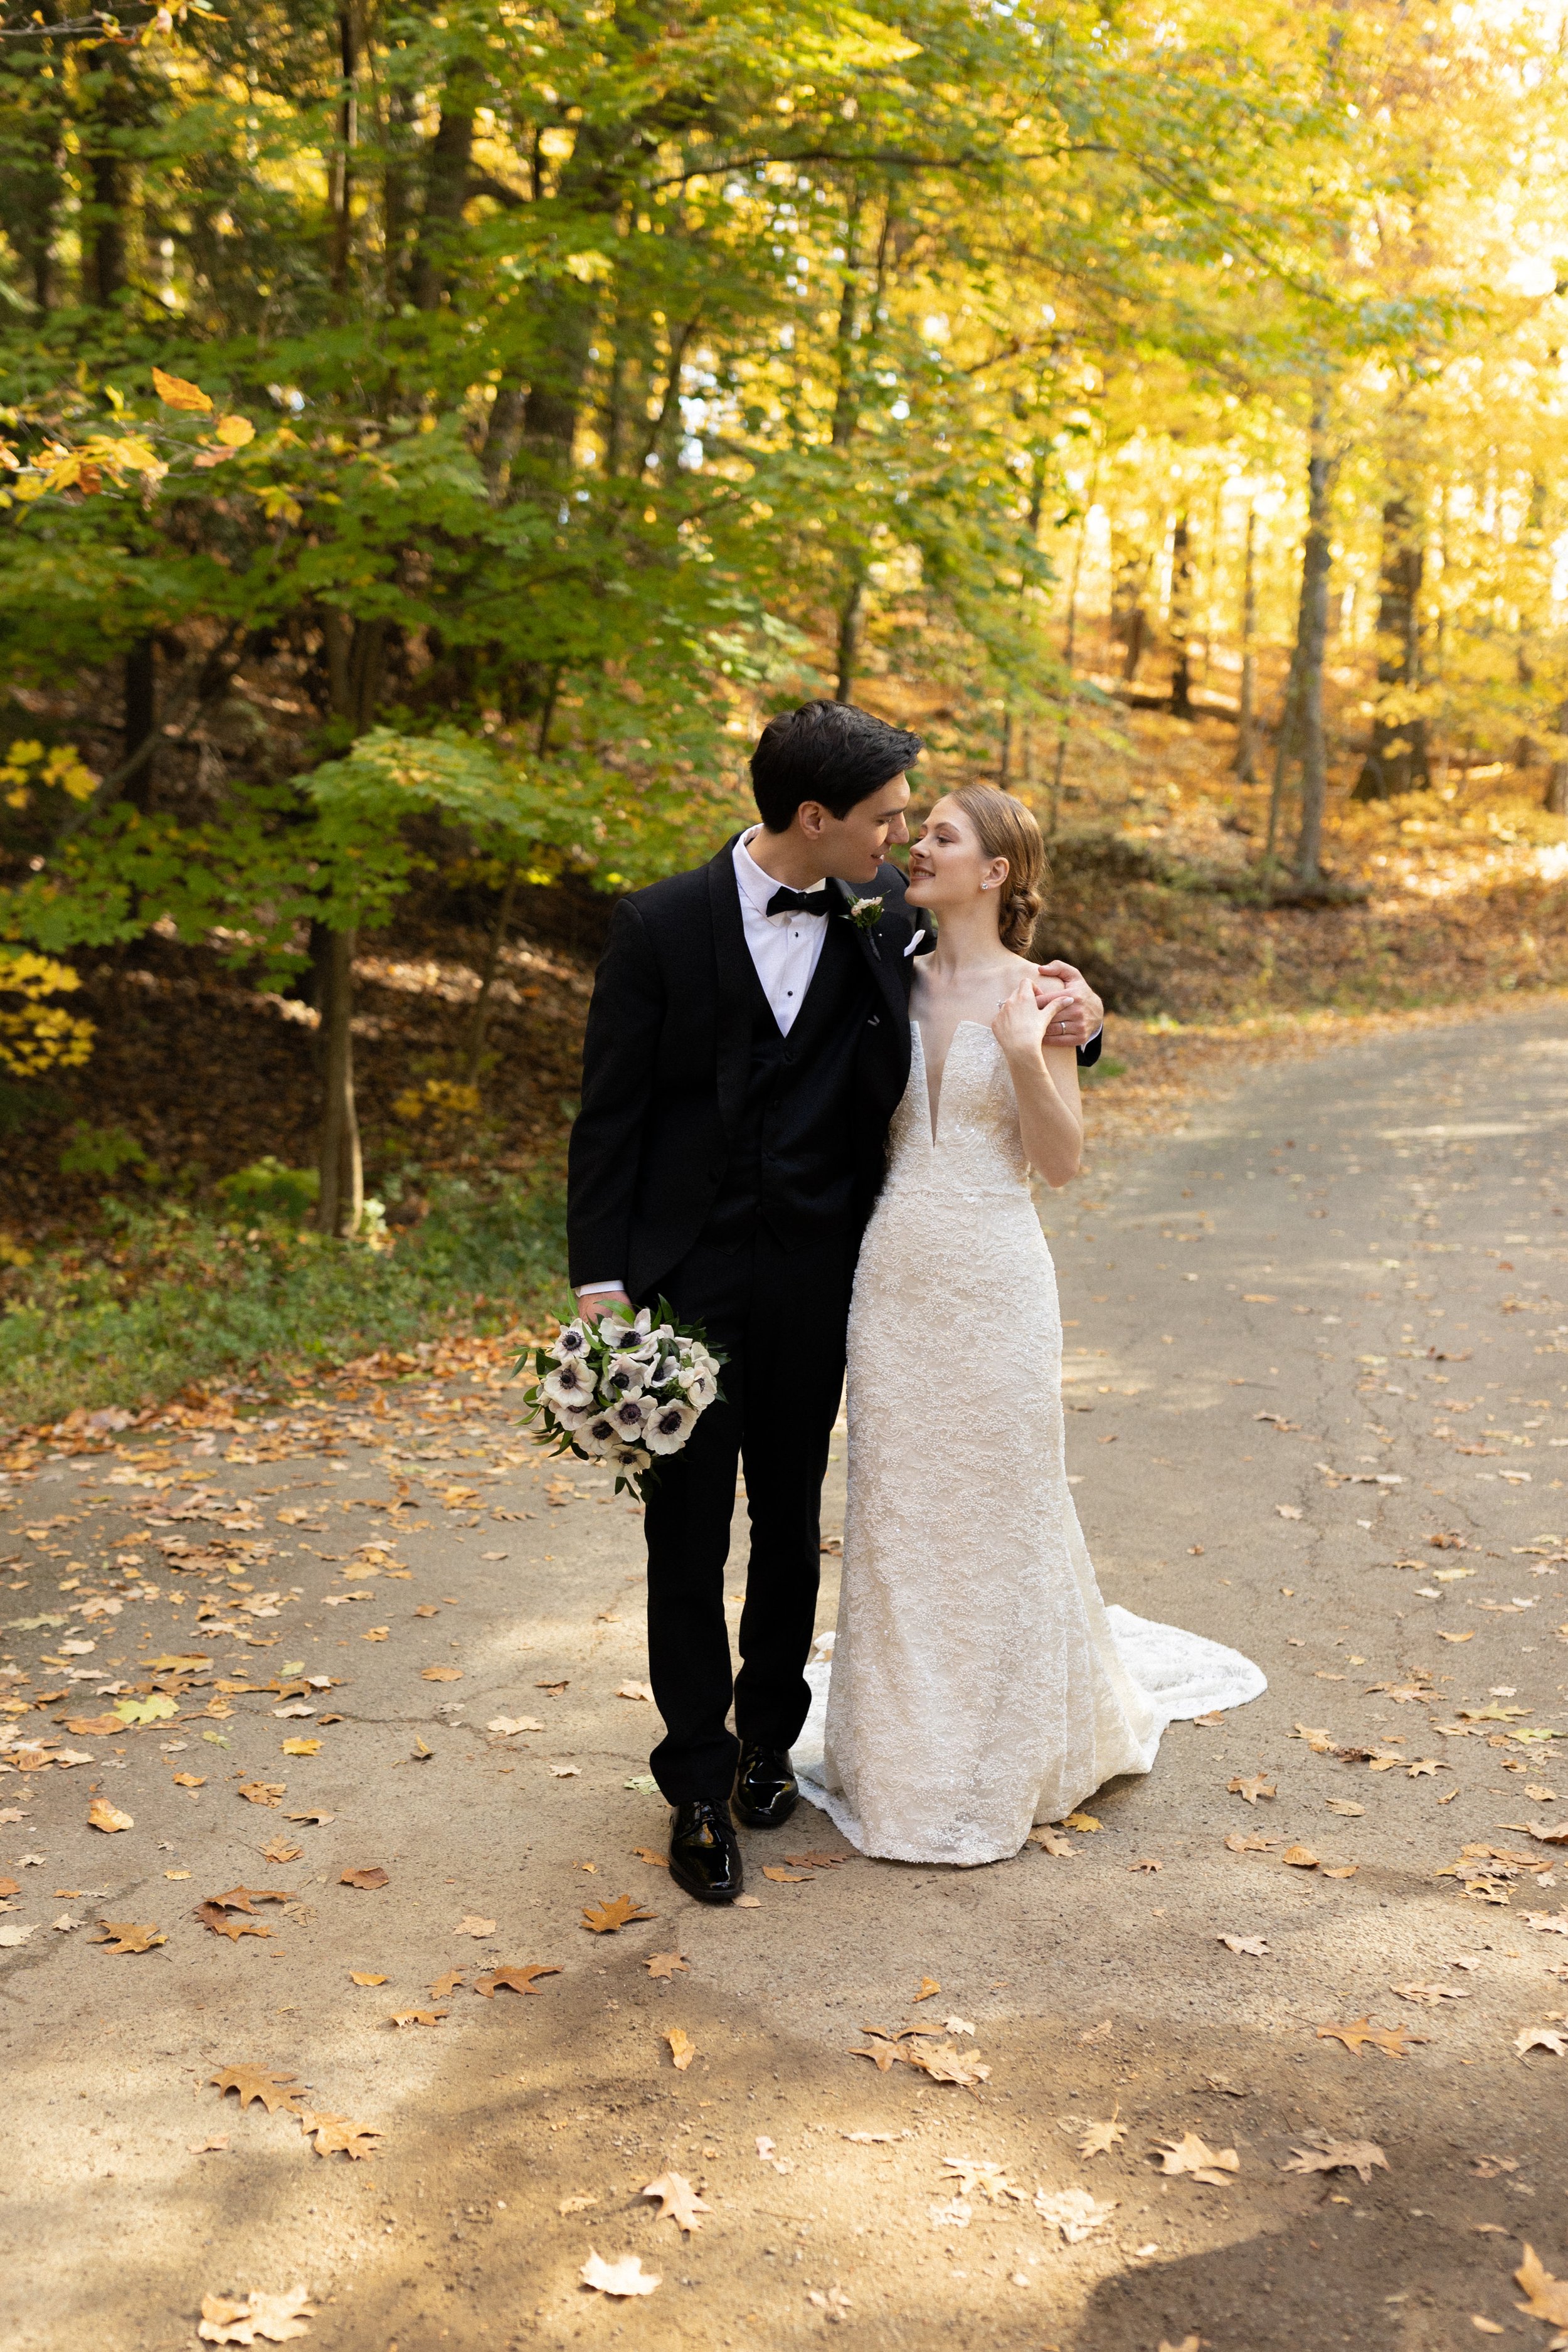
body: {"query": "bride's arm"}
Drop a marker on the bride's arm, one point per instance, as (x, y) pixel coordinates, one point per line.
(1044, 1081)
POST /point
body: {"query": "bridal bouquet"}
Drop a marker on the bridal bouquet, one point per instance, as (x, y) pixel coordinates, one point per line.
(620, 1391)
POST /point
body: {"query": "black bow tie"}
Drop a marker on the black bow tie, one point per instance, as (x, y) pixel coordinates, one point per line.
(799, 902)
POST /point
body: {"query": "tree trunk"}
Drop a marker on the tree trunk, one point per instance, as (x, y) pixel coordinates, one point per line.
(447, 164)
(40, 149)
(1244, 764)
(341, 1203)
(1317, 559)
(481, 1015)
(1396, 758)
(104, 244)
(343, 153)
(142, 720)
(1554, 800)
(1181, 620)
(851, 627)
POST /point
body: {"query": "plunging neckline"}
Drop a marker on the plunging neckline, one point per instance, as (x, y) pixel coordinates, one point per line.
(933, 1107)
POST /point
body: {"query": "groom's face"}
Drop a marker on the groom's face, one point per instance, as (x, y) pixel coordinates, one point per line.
(852, 847)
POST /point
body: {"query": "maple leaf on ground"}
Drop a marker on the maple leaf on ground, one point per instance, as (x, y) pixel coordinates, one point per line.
(946, 2064)
(977, 2173)
(368, 1879)
(651, 1854)
(1258, 1785)
(1325, 2155)
(519, 1977)
(243, 1898)
(680, 2202)
(664, 1965)
(1051, 1841)
(335, 2135)
(682, 2049)
(445, 1984)
(788, 1877)
(1255, 1946)
(417, 2016)
(1541, 2037)
(264, 2082)
(1237, 1844)
(1073, 2212)
(226, 1922)
(125, 1936)
(102, 1815)
(273, 2318)
(1087, 1822)
(1100, 2139)
(1548, 2295)
(626, 2277)
(263, 1793)
(1191, 2155)
(279, 1848)
(1392, 2040)
(607, 1918)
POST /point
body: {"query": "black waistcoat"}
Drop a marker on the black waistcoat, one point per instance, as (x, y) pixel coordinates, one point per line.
(791, 1165)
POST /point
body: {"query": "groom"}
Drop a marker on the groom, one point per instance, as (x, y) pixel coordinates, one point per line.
(747, 1044)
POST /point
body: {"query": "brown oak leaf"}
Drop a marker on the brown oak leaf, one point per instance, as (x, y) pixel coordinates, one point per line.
(262, 1792)
(370, 1879)
(782, 1877)
(227, 1923)
(264, 2082)
(607, 1918)
(1325, 2155)
(664, 1965)
(125, 1936)
(245, 1898)
(1257, 1785)
(521, 1977)
(1100, 2139)
(273, 2318)
(678, 2202)
(102, 1815)
(417, 2016)
(1392, 2040)
(1548, 2295)
(1299, 1857)
(1191, 2155)
(335, 2135)
(682, 2049)
(626, 2277)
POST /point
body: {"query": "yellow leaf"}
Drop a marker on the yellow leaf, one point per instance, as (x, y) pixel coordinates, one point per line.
(301, 1748)
(366, 1977)
(1548, 2295)
(234, 432)
(175, 393)
(682, 2049)
(102, 1815)
(929, 1986)
(1085, 1821)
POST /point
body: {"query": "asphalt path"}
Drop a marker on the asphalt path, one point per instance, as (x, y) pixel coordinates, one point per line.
(1318, 1394)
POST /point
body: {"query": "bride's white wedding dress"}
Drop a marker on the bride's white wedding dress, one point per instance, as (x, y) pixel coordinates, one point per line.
(978, 1682)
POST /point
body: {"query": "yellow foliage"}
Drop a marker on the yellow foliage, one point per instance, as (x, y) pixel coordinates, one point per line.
(233, 432)
(440, 1102)
(174, 391)
(35, 1036)
(62, 768)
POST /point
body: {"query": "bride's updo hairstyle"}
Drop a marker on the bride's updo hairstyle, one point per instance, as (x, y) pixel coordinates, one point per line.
(1006, 829)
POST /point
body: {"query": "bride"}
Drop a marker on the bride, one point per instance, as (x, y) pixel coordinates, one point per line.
(979, 1684)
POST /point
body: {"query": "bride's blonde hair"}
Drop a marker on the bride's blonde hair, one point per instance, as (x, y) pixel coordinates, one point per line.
(1007, 829)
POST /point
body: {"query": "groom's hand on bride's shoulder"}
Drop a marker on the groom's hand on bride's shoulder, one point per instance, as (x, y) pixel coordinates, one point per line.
(1079, 1013)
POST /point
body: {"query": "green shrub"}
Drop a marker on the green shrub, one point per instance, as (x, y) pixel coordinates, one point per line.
(267, 1189)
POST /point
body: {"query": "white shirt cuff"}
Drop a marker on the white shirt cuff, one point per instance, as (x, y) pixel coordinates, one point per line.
(592, 1289)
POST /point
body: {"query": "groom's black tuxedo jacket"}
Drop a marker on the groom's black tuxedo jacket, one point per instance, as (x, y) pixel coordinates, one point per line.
(681, 1048)
(669, 1065)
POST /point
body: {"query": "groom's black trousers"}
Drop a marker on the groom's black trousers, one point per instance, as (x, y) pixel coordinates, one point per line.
(779, 1316)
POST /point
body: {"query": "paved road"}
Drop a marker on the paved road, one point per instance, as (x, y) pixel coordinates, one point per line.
(1323, 1327)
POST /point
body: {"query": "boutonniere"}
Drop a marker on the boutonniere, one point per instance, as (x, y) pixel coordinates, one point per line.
(864, 913)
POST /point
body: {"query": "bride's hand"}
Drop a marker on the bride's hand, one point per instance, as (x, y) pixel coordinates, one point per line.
(1021, 1021)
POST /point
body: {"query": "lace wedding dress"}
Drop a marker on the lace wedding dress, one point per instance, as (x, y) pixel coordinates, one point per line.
(978, 1682)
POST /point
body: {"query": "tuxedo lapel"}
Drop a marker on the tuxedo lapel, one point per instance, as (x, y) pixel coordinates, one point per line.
(734, 976)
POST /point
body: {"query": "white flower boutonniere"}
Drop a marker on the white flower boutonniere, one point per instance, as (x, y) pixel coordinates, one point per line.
(865, 913)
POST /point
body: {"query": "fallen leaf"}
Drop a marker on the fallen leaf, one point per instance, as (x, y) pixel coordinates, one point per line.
(748, 1903)
(472, 1925)
(1482, 2326)
(276, 2318)
(978, 2174)
(335, 2135)
(1073, 2212)
(650, 1854)
(1547, 1923)
(123, 1936)
(366, 1977)
(1187, 2344)
(507, 1725)
(1254, 1946)
(447, 1982)
(1148, 1863)
(223, 1923)
(929, 1986)
(1457, 1637)
(316, 1819)
(1237, 1844)
(12, 1936)
(1548, 2295)
(102, 1815)
(678, 2203)
(1287, 1510)
(1342, 1870)
(1325, 2155)
(1343, 1805)
(1100, 2139)
(682, 2050)
(636, 1690)
(626, 2277)
(1299, 1857)
(1087, 1822)
(605, 1918)
(794, 1878)
(1392, 2040)
(215, 2144)
(664, 1965)
(1191, 2155)
(1258, 1785)
(417, 2016)
(575, 2204)
(264, 2082)
(945, 2064)
(519, 1977)
(1428, 1996)
(368, 1879)
(440, 1674)
(564, 1771)
(263, 1793)
(1051, 1841)
(300, 1746)
(1533, 2037)
(425, 1610)
(820, 1860)
(245, 1898)
(280, 1848)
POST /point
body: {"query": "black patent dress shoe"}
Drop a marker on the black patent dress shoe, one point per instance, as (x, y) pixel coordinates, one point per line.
(704, 1856)
(767, 1791)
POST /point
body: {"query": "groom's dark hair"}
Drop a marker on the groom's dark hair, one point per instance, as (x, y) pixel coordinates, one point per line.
(825, 751)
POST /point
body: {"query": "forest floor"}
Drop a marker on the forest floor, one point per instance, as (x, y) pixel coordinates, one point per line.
(1316, 1410)
(114, 1211)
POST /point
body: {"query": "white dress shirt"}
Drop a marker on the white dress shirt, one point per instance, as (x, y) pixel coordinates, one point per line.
(784, 950)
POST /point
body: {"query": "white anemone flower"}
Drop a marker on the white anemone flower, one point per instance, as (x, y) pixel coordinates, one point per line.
(629, 1457)
(669, 1427)
(571, 1382)
(624, 1376)
(627, 1417)
(701, 1388)
(664, 1371)
(572, 1340)
(596, 1435)
(574, 1416)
